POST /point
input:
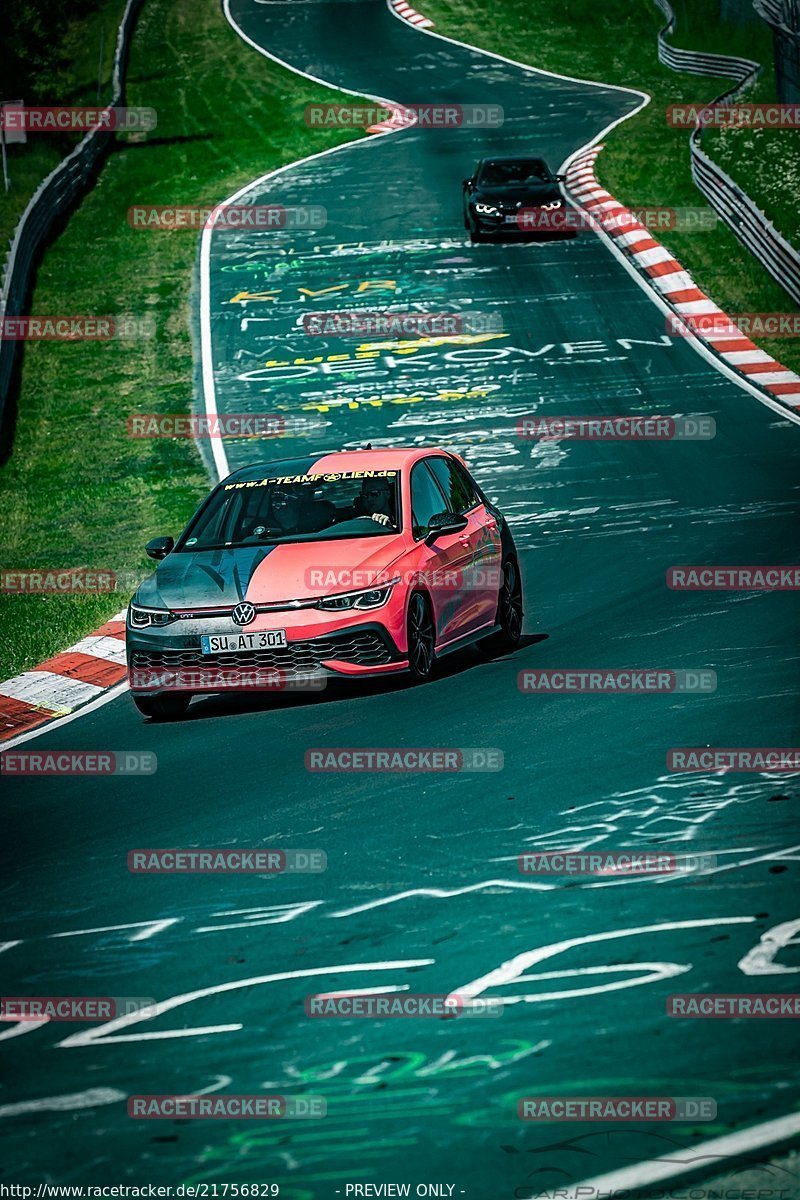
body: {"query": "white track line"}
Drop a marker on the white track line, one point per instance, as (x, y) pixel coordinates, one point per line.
(681, 1162)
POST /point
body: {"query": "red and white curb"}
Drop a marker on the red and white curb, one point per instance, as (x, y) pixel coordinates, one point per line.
(401, 118)
(66, 682)
(410, 14)
(676, 286)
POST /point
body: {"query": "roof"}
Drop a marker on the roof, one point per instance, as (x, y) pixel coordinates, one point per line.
(337, 460)
(512, 158)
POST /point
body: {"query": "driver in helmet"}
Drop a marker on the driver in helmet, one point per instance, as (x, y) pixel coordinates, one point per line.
(377, 500)
(292, 510)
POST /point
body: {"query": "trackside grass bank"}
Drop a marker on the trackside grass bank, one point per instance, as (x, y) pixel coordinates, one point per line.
(77, 490)
(66, 74)
(645, 162)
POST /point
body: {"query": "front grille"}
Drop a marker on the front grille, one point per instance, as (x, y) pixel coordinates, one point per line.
(366, 649)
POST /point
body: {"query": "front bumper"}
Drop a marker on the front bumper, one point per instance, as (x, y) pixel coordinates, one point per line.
(510, 225)
(159, 662)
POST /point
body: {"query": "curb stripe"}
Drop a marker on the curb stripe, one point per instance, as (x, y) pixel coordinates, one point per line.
(407, 13)
(682, 295)
(16, 716)
(83, 667)
(65, 682)
(676, 285)
(48, 691)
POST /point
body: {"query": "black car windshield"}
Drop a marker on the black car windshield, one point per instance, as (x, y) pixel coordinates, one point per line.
(514, 173)
(296, 508)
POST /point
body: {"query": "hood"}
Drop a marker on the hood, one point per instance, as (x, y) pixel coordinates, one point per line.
(528, 193)
(265, 574)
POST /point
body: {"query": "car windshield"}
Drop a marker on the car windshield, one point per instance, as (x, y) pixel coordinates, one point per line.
(296, 508)
(514, 173)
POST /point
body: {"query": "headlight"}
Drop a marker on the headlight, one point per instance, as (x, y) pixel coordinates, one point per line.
(551, 205)
(366, 598)
(142, 618)
(487, 210)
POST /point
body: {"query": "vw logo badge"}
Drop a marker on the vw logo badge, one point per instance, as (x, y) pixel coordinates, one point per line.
(244, 613)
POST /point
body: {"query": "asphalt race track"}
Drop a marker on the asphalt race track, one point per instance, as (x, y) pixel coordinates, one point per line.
(422, 890)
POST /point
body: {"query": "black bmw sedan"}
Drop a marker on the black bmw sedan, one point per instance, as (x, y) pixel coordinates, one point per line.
(514, 195)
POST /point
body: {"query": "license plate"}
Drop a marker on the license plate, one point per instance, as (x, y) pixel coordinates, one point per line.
(226, 643)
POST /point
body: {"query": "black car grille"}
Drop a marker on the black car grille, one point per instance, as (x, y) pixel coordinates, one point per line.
(365, 649)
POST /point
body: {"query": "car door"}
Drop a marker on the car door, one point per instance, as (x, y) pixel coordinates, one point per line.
(442, 565)
(481, 537)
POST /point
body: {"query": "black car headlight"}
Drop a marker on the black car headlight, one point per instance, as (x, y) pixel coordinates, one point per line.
(144, 618)
(550, 205)
(374, 597)
(487, 210)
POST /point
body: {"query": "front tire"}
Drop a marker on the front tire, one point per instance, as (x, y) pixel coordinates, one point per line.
(421, 638)
(163, 708)
(509, 610)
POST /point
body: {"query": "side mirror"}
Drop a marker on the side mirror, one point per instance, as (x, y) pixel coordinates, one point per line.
(443, 523)
(467, 182)
(159, 547)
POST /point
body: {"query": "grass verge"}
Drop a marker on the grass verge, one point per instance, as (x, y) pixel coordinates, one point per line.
(74, 81)
(645, 162)
(77, 491)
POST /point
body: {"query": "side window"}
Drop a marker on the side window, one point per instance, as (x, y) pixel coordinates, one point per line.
(426, 499)
(460, 498)
(469, 483)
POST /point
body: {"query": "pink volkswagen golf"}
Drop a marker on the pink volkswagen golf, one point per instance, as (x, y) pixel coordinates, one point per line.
(355, 563)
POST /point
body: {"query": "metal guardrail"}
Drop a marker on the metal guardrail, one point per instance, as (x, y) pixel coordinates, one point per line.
(52, 201)
(742, 216)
